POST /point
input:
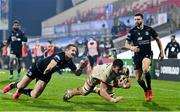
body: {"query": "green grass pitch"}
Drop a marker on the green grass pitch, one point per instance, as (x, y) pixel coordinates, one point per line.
(166, 97)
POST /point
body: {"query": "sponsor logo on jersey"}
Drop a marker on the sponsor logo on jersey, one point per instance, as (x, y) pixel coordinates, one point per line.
(139, 38)
(147, 33)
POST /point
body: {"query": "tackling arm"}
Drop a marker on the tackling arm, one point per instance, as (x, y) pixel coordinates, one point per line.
(82, 65)
(105, 95)
(50, 66)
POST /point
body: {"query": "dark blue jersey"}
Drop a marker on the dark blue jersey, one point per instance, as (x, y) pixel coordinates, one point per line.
(173, 49)
(142, 39)
(15, 40)
(61, 63)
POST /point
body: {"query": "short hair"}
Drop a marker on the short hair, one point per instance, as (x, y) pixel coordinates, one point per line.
(70, 45)
(139, 14)
(50, 41)
(118, 62)
(16, 21)
(173, 36)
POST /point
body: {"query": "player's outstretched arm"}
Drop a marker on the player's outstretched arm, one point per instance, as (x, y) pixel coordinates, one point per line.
(82, 65)
(105, 95)
(50, 66)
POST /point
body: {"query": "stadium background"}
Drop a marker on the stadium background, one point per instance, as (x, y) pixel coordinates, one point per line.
(81, 21)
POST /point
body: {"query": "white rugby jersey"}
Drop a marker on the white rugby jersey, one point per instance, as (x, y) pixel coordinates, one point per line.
(103, 72)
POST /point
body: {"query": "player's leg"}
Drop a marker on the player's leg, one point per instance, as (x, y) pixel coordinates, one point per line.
(36, 92)
(19, 60)
(145, 66)
(91, 61)
(11, 62)
(70, 93)
(109, 91)
(95, 60)
(22, 84)
(139, 74)
(38, 89)
(30, 75)
(139, 78)
(85, 90)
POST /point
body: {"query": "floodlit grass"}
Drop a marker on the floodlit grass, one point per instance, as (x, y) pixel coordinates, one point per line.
(167, 97)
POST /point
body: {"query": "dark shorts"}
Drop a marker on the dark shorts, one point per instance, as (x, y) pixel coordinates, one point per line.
(17, 54)
(92, 60)
(34, 72)
(137, 59)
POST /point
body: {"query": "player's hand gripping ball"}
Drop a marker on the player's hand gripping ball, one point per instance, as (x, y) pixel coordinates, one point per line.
(120, 81)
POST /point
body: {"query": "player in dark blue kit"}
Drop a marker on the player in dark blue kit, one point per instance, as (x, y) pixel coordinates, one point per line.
(42, 70)
(139, 42)
(15, 41)
(173, 48)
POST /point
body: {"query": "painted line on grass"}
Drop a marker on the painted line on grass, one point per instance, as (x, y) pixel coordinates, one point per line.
(84, 79)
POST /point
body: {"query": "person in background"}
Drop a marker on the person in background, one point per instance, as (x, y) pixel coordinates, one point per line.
(51, 49)
(15, 40)
(92, 51)
(172, 47)
(4, 53)
(37, 52)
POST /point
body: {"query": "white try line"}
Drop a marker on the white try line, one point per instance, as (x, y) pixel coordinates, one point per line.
(84, 79)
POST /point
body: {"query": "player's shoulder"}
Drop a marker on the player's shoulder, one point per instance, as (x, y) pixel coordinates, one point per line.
(124, 71)
(104, 66)
(133, 29)
(59, 55)
(107, 65)
(148, 27)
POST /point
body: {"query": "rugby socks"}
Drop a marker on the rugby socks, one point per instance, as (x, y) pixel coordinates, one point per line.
(97, 90)
(11, 69)
(25, 91)
(13, 85)
(148, 80)
(19, 71)
(11, 72)
(143, 85)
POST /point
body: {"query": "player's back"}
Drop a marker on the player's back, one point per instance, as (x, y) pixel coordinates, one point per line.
(101, 72)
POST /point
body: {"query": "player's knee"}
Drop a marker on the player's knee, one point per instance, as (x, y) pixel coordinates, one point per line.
(85, 92)
(138, 79)
(34, 95)
(20, 86)
(145, 70)
(80, 91)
